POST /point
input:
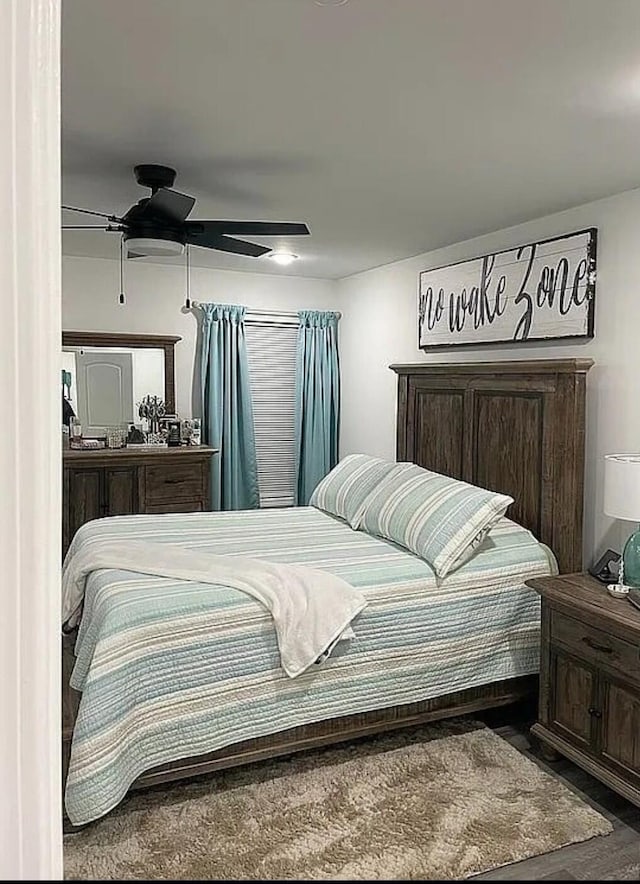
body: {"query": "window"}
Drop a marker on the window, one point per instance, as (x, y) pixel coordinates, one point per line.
(271, 353)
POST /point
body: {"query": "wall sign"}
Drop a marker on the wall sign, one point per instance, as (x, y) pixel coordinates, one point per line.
(538, 292)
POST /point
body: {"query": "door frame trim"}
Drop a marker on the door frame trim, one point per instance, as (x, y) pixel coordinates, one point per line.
(30, 473)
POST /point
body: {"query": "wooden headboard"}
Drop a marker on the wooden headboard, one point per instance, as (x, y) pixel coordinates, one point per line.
(514, 427)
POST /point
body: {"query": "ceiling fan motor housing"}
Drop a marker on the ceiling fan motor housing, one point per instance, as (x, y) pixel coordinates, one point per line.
(153, 176)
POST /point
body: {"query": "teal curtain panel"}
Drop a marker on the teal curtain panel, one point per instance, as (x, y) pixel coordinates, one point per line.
(227, 414)
(317, 399)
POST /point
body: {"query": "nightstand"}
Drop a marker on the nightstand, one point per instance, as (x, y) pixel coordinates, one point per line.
(590, 679)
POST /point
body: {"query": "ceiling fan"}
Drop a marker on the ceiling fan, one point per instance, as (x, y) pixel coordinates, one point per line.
(157, 225)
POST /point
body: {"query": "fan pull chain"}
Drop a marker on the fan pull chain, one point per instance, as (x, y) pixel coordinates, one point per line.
(187, 302)
(122, 299)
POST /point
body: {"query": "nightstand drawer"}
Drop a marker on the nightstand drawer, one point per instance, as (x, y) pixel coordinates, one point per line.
(183, 481)
(595, 645)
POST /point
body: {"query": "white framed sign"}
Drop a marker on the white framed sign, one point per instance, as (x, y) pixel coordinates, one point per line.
(538, 292)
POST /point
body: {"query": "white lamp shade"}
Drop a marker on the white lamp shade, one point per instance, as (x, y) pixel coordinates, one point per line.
(622, 486)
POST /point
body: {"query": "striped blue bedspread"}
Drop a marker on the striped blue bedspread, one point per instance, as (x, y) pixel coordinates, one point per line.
(170, 669)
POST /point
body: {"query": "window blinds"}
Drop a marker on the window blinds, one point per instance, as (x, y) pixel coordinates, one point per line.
(271, 353)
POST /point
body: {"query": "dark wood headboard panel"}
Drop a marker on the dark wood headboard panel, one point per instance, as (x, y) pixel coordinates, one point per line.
(514, 427)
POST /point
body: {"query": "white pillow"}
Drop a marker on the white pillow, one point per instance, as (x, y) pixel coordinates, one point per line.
(344, 491)
(440, 519)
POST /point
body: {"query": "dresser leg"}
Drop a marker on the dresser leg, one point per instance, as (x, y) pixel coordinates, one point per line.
(548, 753)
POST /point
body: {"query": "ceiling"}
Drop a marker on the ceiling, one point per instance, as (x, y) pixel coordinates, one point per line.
(392, 127)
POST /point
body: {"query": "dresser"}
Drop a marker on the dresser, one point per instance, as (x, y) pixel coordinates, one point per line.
(590, 679)
(126, 481)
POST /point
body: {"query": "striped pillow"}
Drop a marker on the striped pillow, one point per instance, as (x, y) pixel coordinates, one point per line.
(343, 492)
(440, 519)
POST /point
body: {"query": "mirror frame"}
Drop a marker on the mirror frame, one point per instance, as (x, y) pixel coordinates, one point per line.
(115, 339)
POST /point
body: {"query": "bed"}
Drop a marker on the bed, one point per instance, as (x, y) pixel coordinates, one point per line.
(190, 702)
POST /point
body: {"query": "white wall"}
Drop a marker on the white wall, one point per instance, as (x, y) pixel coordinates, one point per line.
(379, 327)
(155, 299)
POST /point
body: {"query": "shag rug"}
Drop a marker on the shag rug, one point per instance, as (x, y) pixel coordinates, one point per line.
(442, 801)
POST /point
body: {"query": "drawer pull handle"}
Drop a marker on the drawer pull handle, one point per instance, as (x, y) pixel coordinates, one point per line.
(596, 647)
(595, 712)
(173, 481)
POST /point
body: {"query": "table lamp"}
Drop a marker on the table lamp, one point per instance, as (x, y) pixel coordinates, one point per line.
(622, 501)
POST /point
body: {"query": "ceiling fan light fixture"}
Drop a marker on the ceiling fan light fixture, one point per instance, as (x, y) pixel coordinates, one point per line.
(150, 247)
(283, 258)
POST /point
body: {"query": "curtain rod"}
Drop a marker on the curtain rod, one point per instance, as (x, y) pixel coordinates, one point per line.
(261, 312)
(289, 313)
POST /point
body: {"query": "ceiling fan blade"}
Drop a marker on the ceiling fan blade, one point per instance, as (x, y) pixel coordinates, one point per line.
(91, 212)
(254, 228)
(209, 240)
(88, 227)
(165, 203)
(162, 207)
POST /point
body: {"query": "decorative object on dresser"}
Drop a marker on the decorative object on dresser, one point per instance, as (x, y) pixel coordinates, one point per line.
(188, 433)
(115, 438)
(174, 434)
(590, 680)
(622, 501)
(75, 432)
(135, 436)
(152, 409)
(540, 291)
(127, 481)
(602, 569)
(196, 431)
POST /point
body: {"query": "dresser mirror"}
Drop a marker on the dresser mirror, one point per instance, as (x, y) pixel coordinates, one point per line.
(105, 376)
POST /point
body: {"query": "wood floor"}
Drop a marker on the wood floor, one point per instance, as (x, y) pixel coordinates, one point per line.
(614, 857)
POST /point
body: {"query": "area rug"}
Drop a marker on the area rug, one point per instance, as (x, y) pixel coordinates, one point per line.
(443, 801)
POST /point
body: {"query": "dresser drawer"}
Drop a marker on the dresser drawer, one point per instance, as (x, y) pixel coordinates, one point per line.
(596, 646)
(180, 481)
(179, 506)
